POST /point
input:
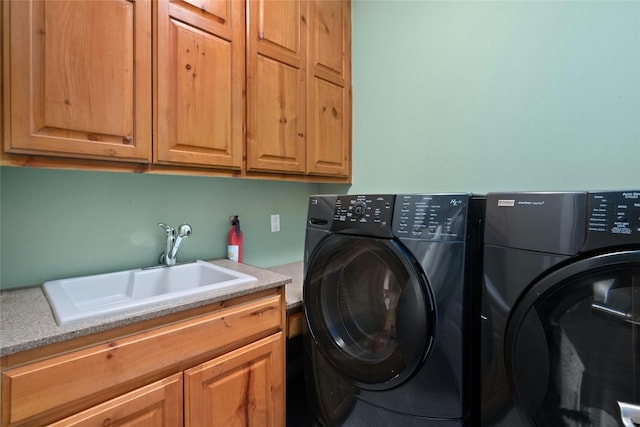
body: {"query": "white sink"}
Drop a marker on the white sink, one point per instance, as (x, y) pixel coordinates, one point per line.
(91, 296)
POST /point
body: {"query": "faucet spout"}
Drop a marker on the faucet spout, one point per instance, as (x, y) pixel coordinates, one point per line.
(168, 257)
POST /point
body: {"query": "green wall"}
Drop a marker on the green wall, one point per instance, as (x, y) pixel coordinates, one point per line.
(448, 96)
(495, 95)
(58, 224)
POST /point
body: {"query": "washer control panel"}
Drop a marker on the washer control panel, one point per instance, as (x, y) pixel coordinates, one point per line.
(431, 216)
(613, 218)
(368, 215)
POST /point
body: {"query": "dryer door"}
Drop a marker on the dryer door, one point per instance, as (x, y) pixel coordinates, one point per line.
(572, 347)
(369, 309)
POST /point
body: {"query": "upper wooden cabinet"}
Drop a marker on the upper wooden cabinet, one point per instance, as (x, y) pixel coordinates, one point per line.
(299, 87)
(258, 88)
(200, 76)
(79, 75)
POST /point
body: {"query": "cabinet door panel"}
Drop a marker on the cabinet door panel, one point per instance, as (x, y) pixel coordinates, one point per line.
(329, 40)
(74, 78)
(329, 89)
(276, 118)
(329, 151)
(198, 111)
(279, 145)
(279, 31)
(80, 79)
(200, 84)
(158, 404)
(213, 16)
(243, 387)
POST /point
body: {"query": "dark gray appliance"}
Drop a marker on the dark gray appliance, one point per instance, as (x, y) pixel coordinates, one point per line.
(388, 300)
(561, 309)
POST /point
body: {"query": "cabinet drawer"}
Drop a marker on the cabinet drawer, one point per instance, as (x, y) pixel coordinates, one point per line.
(83, 378)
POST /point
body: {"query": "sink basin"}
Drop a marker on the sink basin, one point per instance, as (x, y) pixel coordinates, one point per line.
(91, 296)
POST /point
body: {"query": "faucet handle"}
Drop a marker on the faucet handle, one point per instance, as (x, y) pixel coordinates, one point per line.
(168, 229)
(184, 230)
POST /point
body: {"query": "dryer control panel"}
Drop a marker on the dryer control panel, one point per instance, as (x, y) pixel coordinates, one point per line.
(613, 218)
(368, 215)
(431, 216)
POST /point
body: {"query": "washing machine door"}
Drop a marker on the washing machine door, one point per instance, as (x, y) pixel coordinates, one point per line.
(572, 346)
(369, 309)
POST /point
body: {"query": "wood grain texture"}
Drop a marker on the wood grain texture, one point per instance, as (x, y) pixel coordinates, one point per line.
(80, 79)
(329, 89)
(244, 387)
(200, 83)
(255, 105)
(276, 116)
(157, 404)
(113, 368)
(299, 96)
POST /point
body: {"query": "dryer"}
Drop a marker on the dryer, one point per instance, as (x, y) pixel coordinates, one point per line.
(560, 343)
(388, 299)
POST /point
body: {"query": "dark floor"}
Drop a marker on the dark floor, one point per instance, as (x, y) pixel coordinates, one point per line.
(298, 414)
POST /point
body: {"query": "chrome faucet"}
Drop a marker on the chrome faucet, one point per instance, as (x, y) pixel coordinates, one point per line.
(168, 257)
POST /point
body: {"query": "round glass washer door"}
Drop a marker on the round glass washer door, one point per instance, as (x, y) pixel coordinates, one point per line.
(572, 347)
(369, 309)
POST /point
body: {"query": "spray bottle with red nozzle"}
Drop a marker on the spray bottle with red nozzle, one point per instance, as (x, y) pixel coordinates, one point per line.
(234, 241)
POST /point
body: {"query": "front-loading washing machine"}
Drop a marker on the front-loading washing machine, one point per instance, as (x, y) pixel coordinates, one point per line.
(389, 292)
(560, 320)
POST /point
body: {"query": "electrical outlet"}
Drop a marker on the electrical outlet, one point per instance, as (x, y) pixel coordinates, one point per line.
(275, 223)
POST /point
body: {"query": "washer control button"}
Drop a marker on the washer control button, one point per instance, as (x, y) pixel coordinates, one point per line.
(359, 209)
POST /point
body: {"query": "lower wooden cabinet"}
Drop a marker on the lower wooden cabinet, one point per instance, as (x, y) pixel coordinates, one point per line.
(243, 388)
(217, 367)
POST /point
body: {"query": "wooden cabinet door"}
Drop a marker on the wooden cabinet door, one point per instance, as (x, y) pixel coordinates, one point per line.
(158, 404)
(80, 76)
(276, 119)
(329, 88)
(200, 83)
(242, 388)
